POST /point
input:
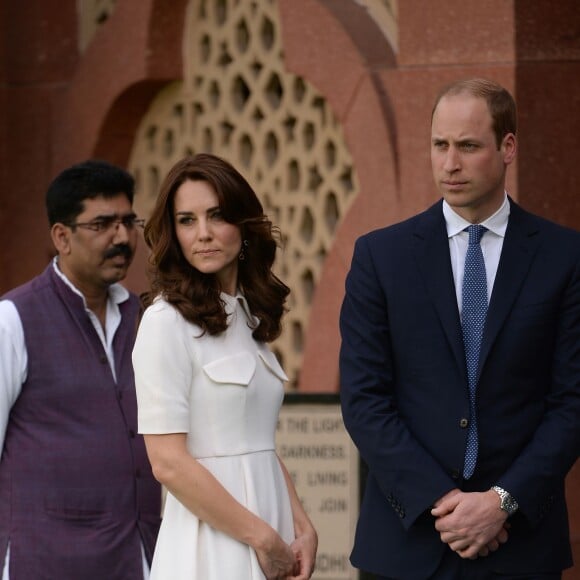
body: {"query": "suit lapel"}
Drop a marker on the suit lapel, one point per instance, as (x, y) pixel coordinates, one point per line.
(434, 262)
(519, 246)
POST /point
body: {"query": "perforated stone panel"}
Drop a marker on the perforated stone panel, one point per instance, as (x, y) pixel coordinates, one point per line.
(385, 14)
(239, 102)
(91, 15)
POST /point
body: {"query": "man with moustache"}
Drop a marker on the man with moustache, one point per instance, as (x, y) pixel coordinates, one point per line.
(77, 496)
(460, 367)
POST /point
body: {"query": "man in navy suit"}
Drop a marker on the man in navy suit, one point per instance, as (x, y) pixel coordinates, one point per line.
(464, 484)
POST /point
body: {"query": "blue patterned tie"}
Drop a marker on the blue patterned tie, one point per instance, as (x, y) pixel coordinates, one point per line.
(473, 312)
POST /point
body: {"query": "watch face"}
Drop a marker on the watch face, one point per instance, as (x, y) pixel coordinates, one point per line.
(508, 504)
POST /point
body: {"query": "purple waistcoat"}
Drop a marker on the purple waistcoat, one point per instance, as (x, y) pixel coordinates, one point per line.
(77, 496)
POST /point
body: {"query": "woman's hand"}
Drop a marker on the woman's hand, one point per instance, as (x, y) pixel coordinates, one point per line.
(304, 548)
(276, 559)
(306, 542)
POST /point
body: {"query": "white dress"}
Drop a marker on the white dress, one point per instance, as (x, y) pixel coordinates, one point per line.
(225, 392)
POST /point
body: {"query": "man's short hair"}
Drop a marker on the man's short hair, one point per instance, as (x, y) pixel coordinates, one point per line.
(500, 103)
(93, 178)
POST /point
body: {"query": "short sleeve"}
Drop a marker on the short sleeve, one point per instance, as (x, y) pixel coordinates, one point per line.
(163, 371)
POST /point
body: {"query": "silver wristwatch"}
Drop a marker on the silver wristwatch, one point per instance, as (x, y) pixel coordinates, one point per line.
(506, 502)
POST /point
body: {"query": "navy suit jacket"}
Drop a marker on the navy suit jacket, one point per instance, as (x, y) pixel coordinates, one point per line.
(405, 400)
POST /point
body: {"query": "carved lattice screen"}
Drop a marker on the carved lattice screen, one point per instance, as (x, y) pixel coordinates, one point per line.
(91, 15)
(239, 102)
(385, 14)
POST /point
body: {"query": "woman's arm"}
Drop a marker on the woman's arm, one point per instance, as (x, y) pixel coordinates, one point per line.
(200, 492)
(306, 539)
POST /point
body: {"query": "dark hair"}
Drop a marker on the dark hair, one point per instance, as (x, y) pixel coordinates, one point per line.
(500, 103)
(93, 178)
(197, 295)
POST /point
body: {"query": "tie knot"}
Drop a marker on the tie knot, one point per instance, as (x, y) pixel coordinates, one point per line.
(475, 233)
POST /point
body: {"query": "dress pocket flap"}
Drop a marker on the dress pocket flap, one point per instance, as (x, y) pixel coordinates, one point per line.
(237, 369)
(273, 365)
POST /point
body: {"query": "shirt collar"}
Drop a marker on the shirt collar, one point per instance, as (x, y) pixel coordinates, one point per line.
(496, 223)
(117, 293)
(231, 303)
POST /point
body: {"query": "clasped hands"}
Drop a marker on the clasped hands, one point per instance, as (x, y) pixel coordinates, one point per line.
(280, 561)
(471, 524)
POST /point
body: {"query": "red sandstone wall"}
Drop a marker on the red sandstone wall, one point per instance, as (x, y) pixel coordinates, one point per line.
(58, 107)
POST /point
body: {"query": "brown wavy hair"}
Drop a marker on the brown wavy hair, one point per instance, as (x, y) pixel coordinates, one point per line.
(197, 295)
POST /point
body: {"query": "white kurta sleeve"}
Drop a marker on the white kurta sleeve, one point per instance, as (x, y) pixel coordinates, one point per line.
(13, 362)
(162, 363)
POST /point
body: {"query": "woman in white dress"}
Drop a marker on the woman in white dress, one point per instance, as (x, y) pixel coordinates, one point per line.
(209, 390)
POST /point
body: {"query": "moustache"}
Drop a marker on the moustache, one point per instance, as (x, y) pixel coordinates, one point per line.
(119, 250)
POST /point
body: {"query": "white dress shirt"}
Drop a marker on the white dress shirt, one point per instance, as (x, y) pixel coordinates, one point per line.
(491, 244)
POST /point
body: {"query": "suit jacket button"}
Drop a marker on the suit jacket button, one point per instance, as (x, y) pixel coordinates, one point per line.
(463, 423)
(455, 474)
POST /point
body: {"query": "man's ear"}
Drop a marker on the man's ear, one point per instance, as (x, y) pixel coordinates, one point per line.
(509, 146)
(61, 238)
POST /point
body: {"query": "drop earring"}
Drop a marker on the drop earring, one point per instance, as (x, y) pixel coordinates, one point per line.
(242, 255)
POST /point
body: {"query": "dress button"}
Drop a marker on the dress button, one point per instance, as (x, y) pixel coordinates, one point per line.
(463, 423)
